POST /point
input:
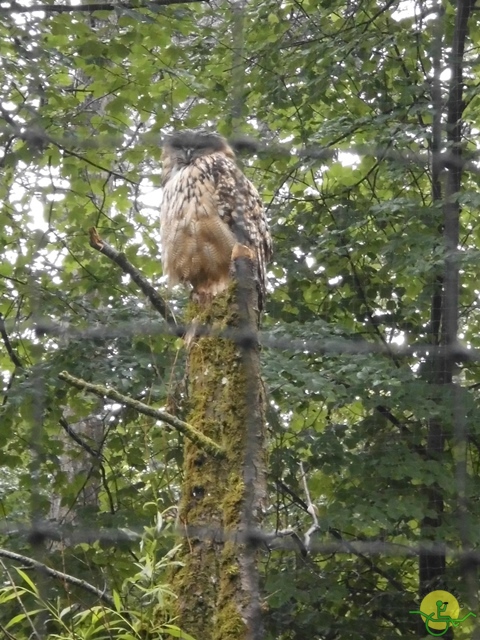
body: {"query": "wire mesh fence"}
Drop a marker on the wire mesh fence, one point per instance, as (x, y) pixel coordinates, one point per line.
(375, 391)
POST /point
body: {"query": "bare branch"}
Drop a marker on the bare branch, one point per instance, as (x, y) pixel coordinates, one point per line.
(312, 510)
(8, 345)
(65, 577)
(127, 267)
(76, 438)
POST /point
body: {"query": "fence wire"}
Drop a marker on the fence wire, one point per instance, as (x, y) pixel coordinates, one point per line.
(37, 137)
(317, 537)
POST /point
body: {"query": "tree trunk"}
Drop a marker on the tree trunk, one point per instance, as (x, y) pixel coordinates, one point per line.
(217, 588)
(446, 298)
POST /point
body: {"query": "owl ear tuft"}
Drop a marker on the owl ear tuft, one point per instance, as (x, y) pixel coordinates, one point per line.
(245, 144)
(195, 139)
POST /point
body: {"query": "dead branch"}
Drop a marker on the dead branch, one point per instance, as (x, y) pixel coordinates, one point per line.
(59, 575)
(127, 267)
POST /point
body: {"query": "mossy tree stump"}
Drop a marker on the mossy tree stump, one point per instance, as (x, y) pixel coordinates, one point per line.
(217, 587)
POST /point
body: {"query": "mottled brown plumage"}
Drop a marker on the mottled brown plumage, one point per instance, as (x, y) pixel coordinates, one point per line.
(208, 206)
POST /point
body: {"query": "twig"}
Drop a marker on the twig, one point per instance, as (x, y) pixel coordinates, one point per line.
(13, 357)
(74, 435)
(8, 345)
(127, 267)
(65, 577)
(312, 510)
(107, 392)
(110, 172)
(6, 633)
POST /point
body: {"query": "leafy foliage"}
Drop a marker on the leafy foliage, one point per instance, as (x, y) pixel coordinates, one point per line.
(130, 615)
(359, 255)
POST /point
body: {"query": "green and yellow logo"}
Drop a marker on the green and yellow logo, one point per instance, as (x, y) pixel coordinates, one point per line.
(440, 610)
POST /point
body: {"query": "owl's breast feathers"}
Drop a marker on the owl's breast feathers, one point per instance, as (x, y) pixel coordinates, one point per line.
(207, 207)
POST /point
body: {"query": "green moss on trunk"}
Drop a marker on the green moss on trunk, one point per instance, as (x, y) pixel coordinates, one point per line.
(213, 590)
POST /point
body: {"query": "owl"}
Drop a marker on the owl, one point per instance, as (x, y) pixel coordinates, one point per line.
(207, 207)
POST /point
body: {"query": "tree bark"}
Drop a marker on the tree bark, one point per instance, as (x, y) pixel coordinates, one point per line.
(446, 290)
(217, 587)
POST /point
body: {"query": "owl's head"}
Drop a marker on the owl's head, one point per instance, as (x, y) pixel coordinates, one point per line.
(184, 147)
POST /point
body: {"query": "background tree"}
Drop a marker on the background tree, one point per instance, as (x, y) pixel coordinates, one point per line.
(366, 118)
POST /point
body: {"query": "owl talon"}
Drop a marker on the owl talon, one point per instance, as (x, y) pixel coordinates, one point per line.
(242, 251)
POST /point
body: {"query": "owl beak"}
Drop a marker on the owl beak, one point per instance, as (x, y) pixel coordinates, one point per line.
(188, 155)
